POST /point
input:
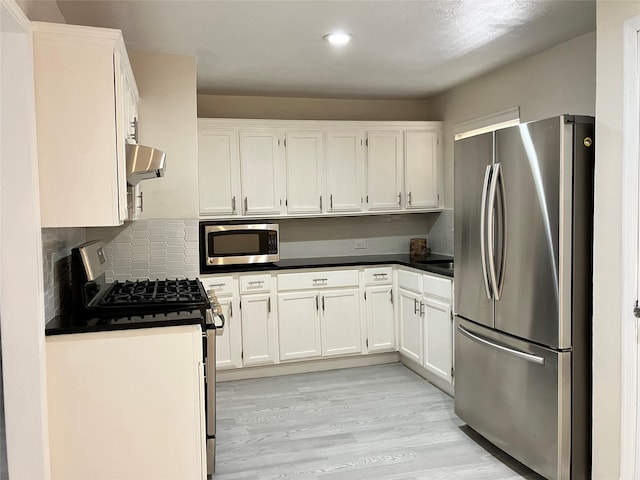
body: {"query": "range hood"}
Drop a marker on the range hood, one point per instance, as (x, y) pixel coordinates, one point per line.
(143, 162)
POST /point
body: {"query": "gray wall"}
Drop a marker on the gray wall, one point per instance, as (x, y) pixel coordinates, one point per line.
(288, 108)
(556, 81)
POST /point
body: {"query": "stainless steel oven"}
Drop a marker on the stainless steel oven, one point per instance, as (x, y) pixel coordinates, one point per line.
(233, 243)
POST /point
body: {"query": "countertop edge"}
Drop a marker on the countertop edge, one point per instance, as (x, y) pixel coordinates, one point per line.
(317, 262)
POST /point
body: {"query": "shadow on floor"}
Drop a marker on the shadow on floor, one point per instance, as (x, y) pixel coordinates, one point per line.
(495, 452)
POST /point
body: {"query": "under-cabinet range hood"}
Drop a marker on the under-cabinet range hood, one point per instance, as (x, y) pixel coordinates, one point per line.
(144, 162)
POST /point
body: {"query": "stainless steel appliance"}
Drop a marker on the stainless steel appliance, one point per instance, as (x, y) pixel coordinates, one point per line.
(148, 303)
(523, 243)
(237, 243)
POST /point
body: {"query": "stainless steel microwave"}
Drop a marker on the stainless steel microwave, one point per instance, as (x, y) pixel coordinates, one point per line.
(229, 244)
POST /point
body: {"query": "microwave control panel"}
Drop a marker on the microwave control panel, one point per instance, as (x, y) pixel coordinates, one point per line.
(273, 242)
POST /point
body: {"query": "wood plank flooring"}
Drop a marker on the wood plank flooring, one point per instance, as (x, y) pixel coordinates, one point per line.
(376, 423)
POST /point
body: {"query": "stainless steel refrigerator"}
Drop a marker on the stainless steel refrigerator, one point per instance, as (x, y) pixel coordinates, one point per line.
(523, 246)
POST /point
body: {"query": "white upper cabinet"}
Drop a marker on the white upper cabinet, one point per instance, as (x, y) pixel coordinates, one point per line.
(219, 172)
(345, 171)
(85, 96)
(261, 154)
(384, 171)
(300, 168)
(421, 169)
(305, 186)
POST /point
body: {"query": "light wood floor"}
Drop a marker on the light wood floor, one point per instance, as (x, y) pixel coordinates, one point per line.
(375, 423)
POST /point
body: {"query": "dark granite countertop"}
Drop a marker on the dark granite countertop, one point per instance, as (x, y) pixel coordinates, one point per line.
(65, 324)
(434, 263)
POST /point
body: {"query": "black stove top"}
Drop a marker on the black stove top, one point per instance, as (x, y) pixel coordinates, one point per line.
(155, 292)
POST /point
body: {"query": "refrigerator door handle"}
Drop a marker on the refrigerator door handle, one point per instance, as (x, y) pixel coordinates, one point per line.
(503, 230)
(490, 228)
(501, 348)
(483, 232)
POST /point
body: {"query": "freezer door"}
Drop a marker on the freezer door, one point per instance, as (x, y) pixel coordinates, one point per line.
(530, 159)
(473, 158)
(517, 395)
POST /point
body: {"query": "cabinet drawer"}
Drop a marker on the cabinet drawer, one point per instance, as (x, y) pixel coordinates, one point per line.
(436, 286)
(221, 285)
(378, 275)
(409, 280)
(255, 283)
(319, 279)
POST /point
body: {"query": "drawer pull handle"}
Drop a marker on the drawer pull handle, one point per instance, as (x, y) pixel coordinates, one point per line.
(501, 348)
(379, 275)
(320, 280)
(257, 282)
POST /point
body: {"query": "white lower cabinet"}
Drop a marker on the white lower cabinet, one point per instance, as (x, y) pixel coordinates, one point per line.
(381, 327)
(229, 344)
(314, 323)
(299, 334)
(127, 404)
(340, 322)
(411, 325)
(258, 329)
(438, 339)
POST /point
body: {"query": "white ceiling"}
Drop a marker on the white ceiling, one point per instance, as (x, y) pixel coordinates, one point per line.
(400, 49)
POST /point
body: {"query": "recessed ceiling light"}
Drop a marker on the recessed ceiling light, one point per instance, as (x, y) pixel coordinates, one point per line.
(338, 39)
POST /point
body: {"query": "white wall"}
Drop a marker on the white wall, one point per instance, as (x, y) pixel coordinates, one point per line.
(556, 81)
(21, 282)
(167, 120)
(607, 307)
(41, 10)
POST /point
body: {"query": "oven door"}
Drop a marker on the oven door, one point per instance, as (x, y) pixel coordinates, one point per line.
(240, 244)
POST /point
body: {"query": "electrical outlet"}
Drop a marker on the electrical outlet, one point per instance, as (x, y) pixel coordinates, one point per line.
(360, 243)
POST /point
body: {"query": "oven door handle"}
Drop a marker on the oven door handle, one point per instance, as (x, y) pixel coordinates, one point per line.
(211, 323)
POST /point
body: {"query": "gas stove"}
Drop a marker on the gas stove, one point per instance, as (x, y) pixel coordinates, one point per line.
(93, 296)
(145, 304)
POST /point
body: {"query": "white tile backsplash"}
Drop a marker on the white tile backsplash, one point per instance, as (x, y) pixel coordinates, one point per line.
(440, 238)
(155, 249)
(56, 261)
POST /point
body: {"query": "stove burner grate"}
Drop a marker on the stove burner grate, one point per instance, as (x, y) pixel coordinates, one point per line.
(154, 292)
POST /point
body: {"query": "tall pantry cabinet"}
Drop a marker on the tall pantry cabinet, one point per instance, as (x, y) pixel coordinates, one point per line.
(86, 99)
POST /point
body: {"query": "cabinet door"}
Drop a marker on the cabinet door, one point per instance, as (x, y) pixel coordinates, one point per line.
(384, 171)
(218, 171)
(438, 338)
(410, 326)
(81, 162)
(304, 172)
(258, 330)
(345, 171)
(421, 169)
(340, 322)
(260, 172)
(229, 344)
(381, 329)
(299, 325)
